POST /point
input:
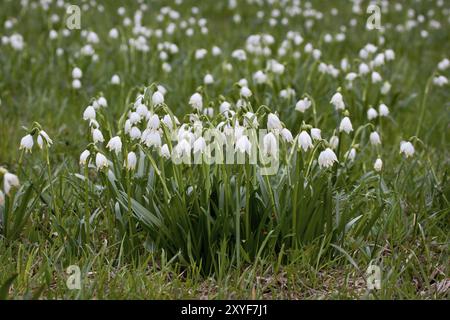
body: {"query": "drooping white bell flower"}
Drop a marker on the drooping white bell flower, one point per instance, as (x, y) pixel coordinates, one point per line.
(26, 143)
(131, 161)
(165, 152)
(407, 148)
(376, 77)
(115, 80)
(196, 101)
(153, 122)
(243, 145)
(89, 113)
(10, 180)
(338, 101)
(153, 139)
(305, 141)
(384, 110)
(43, 136)
(97, 136)
(77, 73)
(334, 142)
(102, 102)
(303, 105)
(375, 138)
(246, 92)
(372, 114)
(378, 165)
(287, 135)
(199, 145)
(273, 122)
(270, 145)
(83, 157)
(208, 79)
(115, 144)
(316, 134)
(350, 154)
(157, 98)
(327, 158)
(346, 125)
(101, 161)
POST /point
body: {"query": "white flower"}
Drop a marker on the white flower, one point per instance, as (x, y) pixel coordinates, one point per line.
(97, 136)
(101, 161)
(346, 125)
(157, 98)
(384, 110)
(183, 148)
(270, 145)
(385, 88)
(243, 145)
(44, 136)
(115, 144)
(350, 154)
(375, 138)
(102, 102)
(10, 180)
(245, 92)
(199, 145)
(76, 84)
(378, 165)
(115, 79)
(440, 81)
(77, 73)
(376, 77)
(273, 122)
(152, 139)
(303, 105)
(316, 134)
(89, 113)
(260, 77)
(334, 142)
(305, 141)
(196, 101)
(363, 69)
(84, 156)
(337, 101)
(287, 135)
(153, 122)
(26, 143)
(165, 153)
(135, 133)
(327, 158)
(444, 64)
(131, 161)
(407, 148)
(372, 114)
(208, 79)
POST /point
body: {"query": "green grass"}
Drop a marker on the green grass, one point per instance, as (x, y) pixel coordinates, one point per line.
(233, 235)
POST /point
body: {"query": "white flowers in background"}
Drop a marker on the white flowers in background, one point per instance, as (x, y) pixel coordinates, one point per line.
(97, 136)
(440, 81)
(131, 161)
(196, 101)
(77, 73)
(157, 98)
(208, 79)
(165, 153)
(338, 101)
(26, 143)
(115, 80)
(243, 145)
(346, 125)
(115, 144)
(327, 158)
(273, 122)
(89, 113)
(245, 92)
(385, 88)
(376, 77)
(372, 114)
(101, 161)
(303, 105)
(375, 138)
(10, 180)
(43, 136)
(102, 102)
(76, 84)
(378, 165)
(199, 145)
(384, 110)
(260, 77)
(407, 148)
(305, 141)
(84, 156)
(444, 64)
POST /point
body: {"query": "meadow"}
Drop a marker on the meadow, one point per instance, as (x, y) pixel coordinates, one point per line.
(253, 149)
